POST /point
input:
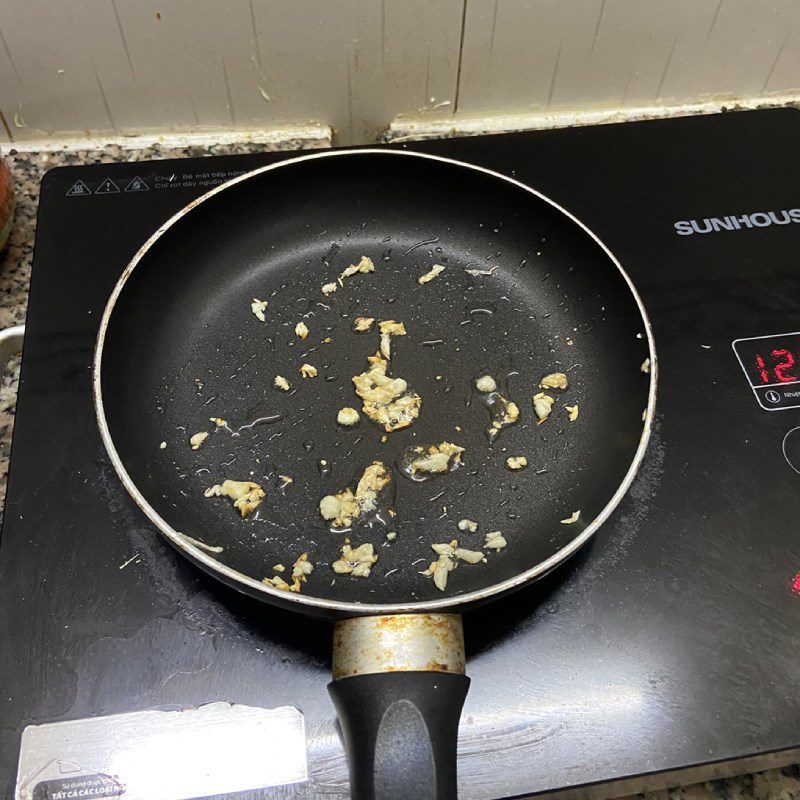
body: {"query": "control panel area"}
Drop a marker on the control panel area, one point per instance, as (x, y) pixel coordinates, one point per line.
(771, 365)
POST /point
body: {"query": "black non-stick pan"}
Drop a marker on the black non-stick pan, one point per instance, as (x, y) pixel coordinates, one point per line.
(527, 290)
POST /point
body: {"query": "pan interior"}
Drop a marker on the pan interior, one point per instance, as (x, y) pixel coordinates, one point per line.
(183, 346)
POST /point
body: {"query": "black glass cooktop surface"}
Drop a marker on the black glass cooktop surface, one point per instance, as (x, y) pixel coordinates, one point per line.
(671, 641)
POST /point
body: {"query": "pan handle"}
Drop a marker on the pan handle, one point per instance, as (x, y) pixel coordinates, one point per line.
(399, 687)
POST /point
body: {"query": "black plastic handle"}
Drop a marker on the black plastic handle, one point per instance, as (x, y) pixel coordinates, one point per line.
(400, 733)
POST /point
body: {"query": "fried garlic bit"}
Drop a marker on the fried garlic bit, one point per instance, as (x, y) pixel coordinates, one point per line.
(246, 495)
(494, 540)
(504, 413)
(218, 421)
(435, 270)
(329, 288)
(342, 509)
(555, 380)
(486, 383)
(364, 265)
(516, 462)
(258, 307)
(574, 517)
(356, 562)
(435, 458)
(301, 569)
(387, 401)
(307, 371)
(363, 324)
(645, 365)
(281, 383)
(468, 525)
(572, 411)
(348, 417)
(388, 329)
(542, 405)
(301, 329)
(449, 554)
(197, 439)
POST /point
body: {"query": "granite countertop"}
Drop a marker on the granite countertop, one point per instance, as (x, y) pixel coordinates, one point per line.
(27, 169)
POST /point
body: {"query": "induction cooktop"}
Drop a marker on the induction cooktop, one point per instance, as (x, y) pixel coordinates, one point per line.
(665, 651)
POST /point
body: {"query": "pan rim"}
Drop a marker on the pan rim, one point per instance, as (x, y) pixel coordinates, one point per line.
(353, 608)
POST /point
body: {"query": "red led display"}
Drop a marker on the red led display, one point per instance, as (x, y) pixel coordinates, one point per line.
(772, 366)
(783, 368)
(771, 360)
(777, 367)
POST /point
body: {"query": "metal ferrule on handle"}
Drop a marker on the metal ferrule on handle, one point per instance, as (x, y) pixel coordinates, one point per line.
(398, 643)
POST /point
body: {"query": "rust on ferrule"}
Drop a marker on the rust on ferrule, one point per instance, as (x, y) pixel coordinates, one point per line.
(398, 643)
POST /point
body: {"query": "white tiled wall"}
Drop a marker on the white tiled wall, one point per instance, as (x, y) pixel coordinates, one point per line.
(122, 67)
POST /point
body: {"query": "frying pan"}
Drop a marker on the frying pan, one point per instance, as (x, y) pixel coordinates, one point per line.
(526, 290)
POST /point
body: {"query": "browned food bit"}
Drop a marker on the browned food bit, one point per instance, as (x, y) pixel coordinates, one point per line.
(355, 561)
(516, 462)
(348, 417)
(246, 495)
(363, 324)
(572, 411)
(574, 517)
(308, 371)
(543, 405)
(387, 401)
(281, 383)
(422, 462)
(449, 555)
(197, 439)
(435, 270)
(503, 412)
(301, 329)
(388, 329)
(301, 569)
(494, 540)
(344, 508)
(258, 307)
(486, 383)
(364, 265)
(555, 380)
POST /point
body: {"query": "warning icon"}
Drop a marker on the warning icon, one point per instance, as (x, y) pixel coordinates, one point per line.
(137, 185)
(107, 187)
(78, 188)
